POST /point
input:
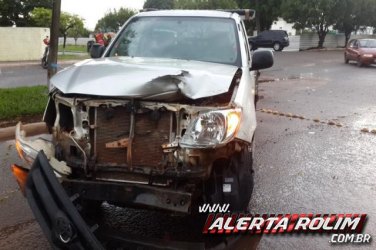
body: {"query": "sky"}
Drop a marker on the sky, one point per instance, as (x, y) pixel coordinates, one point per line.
(93, 10)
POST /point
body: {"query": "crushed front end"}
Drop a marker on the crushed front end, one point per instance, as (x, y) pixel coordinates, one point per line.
(139, 153)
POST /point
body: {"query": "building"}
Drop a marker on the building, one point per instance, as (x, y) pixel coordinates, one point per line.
(281, 24)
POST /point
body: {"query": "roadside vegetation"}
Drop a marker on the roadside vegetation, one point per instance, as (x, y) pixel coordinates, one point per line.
(68, 57)
(21, 101)
(73, 48)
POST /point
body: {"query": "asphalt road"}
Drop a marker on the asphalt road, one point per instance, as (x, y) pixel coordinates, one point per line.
(16, 74)
(301, 166)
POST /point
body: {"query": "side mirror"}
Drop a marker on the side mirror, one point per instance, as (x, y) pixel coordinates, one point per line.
(262, 60)
(97, 50)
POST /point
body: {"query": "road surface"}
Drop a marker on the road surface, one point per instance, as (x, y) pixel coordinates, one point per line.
(18, 74)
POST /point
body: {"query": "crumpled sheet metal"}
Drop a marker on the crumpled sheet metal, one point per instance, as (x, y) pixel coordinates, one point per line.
(145, 78)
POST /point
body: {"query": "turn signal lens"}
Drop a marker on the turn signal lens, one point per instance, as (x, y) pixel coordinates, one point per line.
(233, 120)
(21, 176)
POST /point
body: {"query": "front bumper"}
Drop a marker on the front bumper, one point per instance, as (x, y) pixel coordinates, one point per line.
(61, 222)
(58, 217)
(138, 195)
(368, 60)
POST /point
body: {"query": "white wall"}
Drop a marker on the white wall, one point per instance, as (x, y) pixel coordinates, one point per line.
(22, 44)
(311, 40)
(294, 44)
(71, 41)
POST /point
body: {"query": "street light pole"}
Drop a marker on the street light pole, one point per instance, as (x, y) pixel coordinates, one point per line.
(54, 39)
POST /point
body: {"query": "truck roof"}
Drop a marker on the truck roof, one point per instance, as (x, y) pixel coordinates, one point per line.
(193, 13)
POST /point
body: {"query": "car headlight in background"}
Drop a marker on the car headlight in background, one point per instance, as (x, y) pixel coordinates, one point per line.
(368, 55)
(212, 128)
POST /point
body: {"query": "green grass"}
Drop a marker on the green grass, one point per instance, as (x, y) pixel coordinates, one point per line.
(15, 102)
(72, 57)
(73, 48)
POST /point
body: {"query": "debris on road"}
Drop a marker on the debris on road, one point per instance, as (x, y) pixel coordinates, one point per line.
(316, 120)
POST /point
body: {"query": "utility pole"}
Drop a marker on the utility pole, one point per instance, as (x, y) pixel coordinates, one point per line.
(54, 39)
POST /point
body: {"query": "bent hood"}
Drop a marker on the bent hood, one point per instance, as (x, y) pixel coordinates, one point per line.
(144, 78)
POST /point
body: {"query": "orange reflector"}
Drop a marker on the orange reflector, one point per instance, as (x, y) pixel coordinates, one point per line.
(21, 176)
(233, 121)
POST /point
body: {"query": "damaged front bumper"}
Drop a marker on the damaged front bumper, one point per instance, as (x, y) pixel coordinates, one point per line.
(139, 195)
(60, 220)
(58, 217)
(132, 194)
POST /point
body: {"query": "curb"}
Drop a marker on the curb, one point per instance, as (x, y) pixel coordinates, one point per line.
(266, 79)
(30, 129)
(324, 49)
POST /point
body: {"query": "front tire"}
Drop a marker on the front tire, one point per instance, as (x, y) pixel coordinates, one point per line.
(236, 175)
(277, 46)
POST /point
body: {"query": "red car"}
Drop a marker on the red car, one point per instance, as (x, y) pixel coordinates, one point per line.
(363, 51)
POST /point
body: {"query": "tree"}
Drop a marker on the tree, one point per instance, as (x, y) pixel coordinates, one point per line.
(159, 4)
(318, 15)
(69, 22)
(355, 14)
(41, 17)
(17, 12)
(113, 20)
(77, 31)
(267, 11)
(205, 4)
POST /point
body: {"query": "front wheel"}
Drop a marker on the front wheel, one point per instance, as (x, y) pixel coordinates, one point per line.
(277, 46)
(231, 182)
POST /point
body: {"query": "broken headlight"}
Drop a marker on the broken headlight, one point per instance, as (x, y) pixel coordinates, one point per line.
(212, 128)
(28, 149)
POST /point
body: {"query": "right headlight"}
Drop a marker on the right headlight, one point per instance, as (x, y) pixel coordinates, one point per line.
(212, 128)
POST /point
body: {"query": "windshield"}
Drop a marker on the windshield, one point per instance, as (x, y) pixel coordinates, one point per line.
(367, 43)
(187, 38)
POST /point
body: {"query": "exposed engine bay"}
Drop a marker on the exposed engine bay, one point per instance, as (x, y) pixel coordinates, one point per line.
(122, 140)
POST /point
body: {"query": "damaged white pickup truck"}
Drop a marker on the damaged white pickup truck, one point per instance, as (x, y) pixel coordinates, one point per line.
(163, 118)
